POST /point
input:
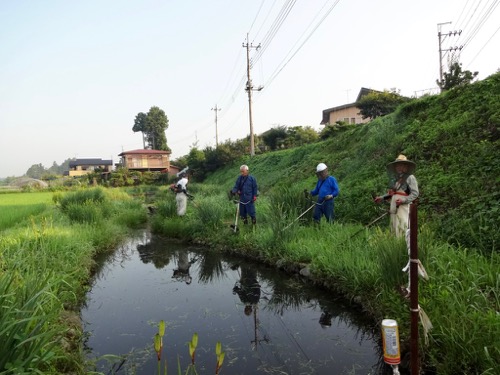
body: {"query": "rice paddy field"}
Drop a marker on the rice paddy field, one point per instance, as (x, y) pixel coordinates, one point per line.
(18, 207)
(48, 242)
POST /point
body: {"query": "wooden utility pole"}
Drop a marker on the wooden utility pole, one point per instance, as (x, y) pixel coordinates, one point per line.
(249, 88)
(216, 135)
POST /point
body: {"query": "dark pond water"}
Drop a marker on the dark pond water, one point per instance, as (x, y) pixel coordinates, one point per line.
(267, 322)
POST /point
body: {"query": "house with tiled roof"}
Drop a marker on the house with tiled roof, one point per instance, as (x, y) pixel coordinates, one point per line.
(81, 167)
(145, 160)
(347, 113)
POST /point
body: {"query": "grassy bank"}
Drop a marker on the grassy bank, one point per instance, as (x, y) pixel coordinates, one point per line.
(47, 246)
(461, 296)
(454, 139)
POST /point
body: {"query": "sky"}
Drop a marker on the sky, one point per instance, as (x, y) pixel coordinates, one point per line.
(74, 74)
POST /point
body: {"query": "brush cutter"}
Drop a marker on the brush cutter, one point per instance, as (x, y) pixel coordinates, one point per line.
(234, 226)
(302, 214)
(369, 224)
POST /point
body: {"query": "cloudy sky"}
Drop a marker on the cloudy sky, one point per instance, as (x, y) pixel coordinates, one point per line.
(74, 74)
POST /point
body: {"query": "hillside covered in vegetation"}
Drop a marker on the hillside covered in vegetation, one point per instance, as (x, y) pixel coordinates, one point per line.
(454, 140)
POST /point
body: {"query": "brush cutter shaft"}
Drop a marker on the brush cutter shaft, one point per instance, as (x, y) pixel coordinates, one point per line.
(236, 218)
(302, 214)
(370, 224)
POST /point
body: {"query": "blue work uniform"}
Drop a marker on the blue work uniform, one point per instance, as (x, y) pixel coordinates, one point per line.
(325, 187)
(246, 188)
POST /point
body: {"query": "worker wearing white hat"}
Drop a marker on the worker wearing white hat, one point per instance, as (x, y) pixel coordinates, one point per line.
(326, 189)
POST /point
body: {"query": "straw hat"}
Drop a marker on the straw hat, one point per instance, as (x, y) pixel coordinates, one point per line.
(401, 159)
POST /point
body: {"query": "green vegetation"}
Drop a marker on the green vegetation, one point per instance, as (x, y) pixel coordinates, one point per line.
(454, 139)
(18, 206)
(48, 242)
(376, 103)
(152, 125)
(47, 246)
(193, 344)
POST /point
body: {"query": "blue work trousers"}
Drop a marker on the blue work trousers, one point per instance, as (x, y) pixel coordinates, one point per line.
(247, 209)
(325, 209)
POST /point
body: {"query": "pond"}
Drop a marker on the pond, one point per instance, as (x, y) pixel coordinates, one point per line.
(268, 322)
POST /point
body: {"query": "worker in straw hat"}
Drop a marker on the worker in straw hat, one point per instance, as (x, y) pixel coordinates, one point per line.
(403, 190)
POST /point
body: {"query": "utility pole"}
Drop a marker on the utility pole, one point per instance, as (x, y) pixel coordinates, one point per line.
(249, 88)
(216, 136)
(441, 50)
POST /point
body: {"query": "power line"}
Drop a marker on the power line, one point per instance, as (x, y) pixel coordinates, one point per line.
(481, 22)
(484, 45)
(256, 16)
(278, 22)
(278, 69)
(457, 22)
(265, 20)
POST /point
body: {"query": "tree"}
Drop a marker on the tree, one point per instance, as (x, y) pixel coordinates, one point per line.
(301, 135)
(376, 103)
(456, 77)
(196, 162)
(140, 125)
(153, 126)
(274, 137)
(36, 171)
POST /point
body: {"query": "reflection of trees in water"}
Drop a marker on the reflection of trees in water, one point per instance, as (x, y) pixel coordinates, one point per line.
(278, 292)
(159, 251)
(210, 267)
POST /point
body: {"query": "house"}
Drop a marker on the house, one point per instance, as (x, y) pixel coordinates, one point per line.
(81, 167)
(173, 170)
(145, 160)
(347, 113)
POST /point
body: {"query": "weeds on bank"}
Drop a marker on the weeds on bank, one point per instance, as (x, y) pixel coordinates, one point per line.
(461, 296)
(44, 263)
(27, 308)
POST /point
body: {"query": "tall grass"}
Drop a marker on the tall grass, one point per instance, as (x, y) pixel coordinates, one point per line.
(45, 263)
(461, 296)
(27, 309)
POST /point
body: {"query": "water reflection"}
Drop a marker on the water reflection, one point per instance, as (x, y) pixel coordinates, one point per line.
(268, 322)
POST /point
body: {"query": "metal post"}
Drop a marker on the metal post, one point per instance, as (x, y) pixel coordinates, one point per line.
(414, 309)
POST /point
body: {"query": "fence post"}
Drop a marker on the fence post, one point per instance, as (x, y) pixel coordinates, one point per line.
(414, 309)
